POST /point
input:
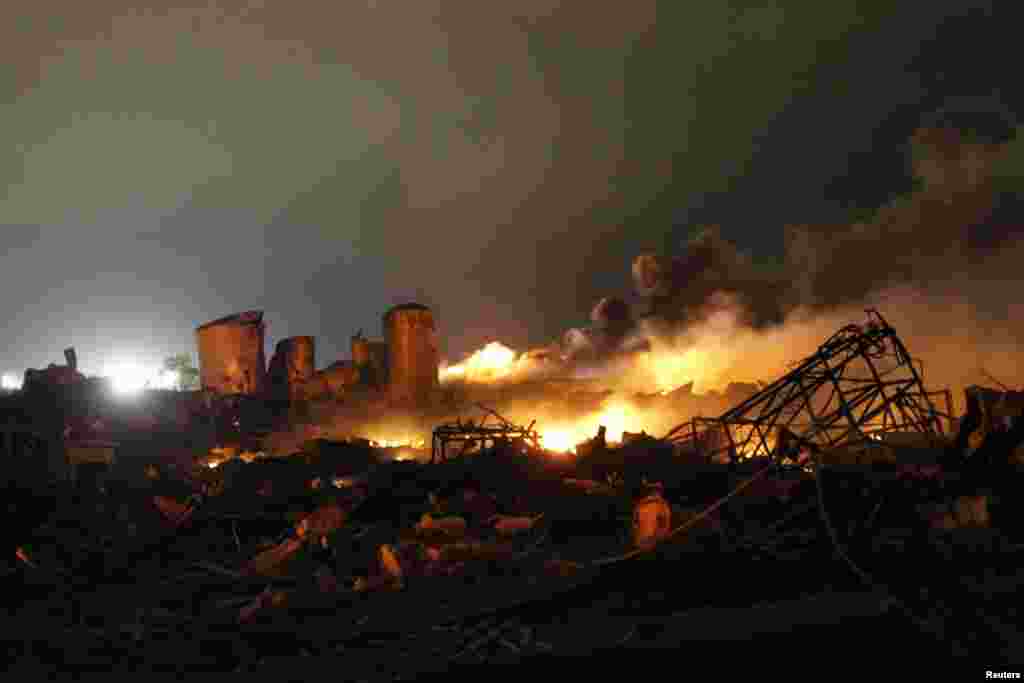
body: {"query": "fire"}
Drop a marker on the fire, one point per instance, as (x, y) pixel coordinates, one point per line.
(617, 418)
(671, 368)
(669, 364)
(559, 440)
(403, 442)
(491, 363)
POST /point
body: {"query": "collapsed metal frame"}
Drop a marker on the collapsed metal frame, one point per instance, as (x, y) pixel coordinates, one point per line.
(480, 434)
(860, 383)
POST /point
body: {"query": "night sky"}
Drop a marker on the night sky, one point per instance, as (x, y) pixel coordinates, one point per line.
(500, 161)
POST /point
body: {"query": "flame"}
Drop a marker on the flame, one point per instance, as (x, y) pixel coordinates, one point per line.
(671, 368)
(493, 362)
(401, 442)
(250, 457)
(559, 440)
(617, 418)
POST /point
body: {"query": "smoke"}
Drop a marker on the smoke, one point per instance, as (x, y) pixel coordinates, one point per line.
(920, 260)
(501, 161)
(924, 239)
(938, 262)
(941, 261)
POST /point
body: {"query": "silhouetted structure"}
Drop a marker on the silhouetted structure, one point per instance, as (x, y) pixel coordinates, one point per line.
(858, 386)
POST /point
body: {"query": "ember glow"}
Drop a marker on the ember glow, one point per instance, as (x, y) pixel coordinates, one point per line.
(399, 442)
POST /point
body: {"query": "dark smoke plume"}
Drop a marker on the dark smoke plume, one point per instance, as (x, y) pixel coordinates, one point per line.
(942, 262)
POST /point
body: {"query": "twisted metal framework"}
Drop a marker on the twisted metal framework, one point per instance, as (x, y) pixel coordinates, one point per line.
(471, 434)
(860, 384)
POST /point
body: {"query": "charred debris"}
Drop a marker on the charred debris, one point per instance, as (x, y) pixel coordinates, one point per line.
(845, 492)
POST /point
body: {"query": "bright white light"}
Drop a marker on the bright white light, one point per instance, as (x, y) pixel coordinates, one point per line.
(10, 381)
(128, 377)
(167, 379)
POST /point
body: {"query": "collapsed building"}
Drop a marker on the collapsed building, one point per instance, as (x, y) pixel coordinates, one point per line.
(61, 419)
(370, 358)
(858, 392)
(292, 366)
(403, 366)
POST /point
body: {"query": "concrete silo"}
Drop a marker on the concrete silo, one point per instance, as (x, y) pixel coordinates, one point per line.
(231, 358)
(413, 357)
(292, 366)
(370, 357)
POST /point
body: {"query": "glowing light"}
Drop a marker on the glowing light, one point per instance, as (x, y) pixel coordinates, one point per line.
(404, 442)
(559, 441)
(129, 377)
(10, 381)
(126, 377)
(616, 418)
(493, 362)
(212, 465)
(673, 368)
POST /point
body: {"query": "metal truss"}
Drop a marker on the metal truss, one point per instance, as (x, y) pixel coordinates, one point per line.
(859, 385)
(481, 434)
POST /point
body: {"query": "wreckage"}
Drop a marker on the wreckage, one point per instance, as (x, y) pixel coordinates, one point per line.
(480, 435)
(860, 387)
(258, 542)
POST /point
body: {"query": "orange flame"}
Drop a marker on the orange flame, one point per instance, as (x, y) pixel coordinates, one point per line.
(617, 418)
(491, 363)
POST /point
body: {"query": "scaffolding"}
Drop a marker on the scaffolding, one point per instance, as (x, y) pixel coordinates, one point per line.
(860, 385)
(479, 435)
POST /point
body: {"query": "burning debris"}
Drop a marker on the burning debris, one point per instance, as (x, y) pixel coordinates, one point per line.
(364, 535)
(861, 383)
(478, 436)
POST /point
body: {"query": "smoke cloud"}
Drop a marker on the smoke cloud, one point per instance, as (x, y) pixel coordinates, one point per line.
(940, 263)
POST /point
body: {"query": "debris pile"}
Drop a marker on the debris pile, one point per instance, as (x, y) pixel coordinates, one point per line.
(223, 558)
(860, 386)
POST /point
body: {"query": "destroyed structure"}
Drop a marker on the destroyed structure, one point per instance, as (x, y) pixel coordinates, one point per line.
(470, 436)
(69, 420)
(860, 388)
(412, 354)
(245, 560)
(231, 354)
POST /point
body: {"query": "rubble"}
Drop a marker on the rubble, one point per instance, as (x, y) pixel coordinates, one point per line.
(860, 386)
(471, 435)
(501, 551)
